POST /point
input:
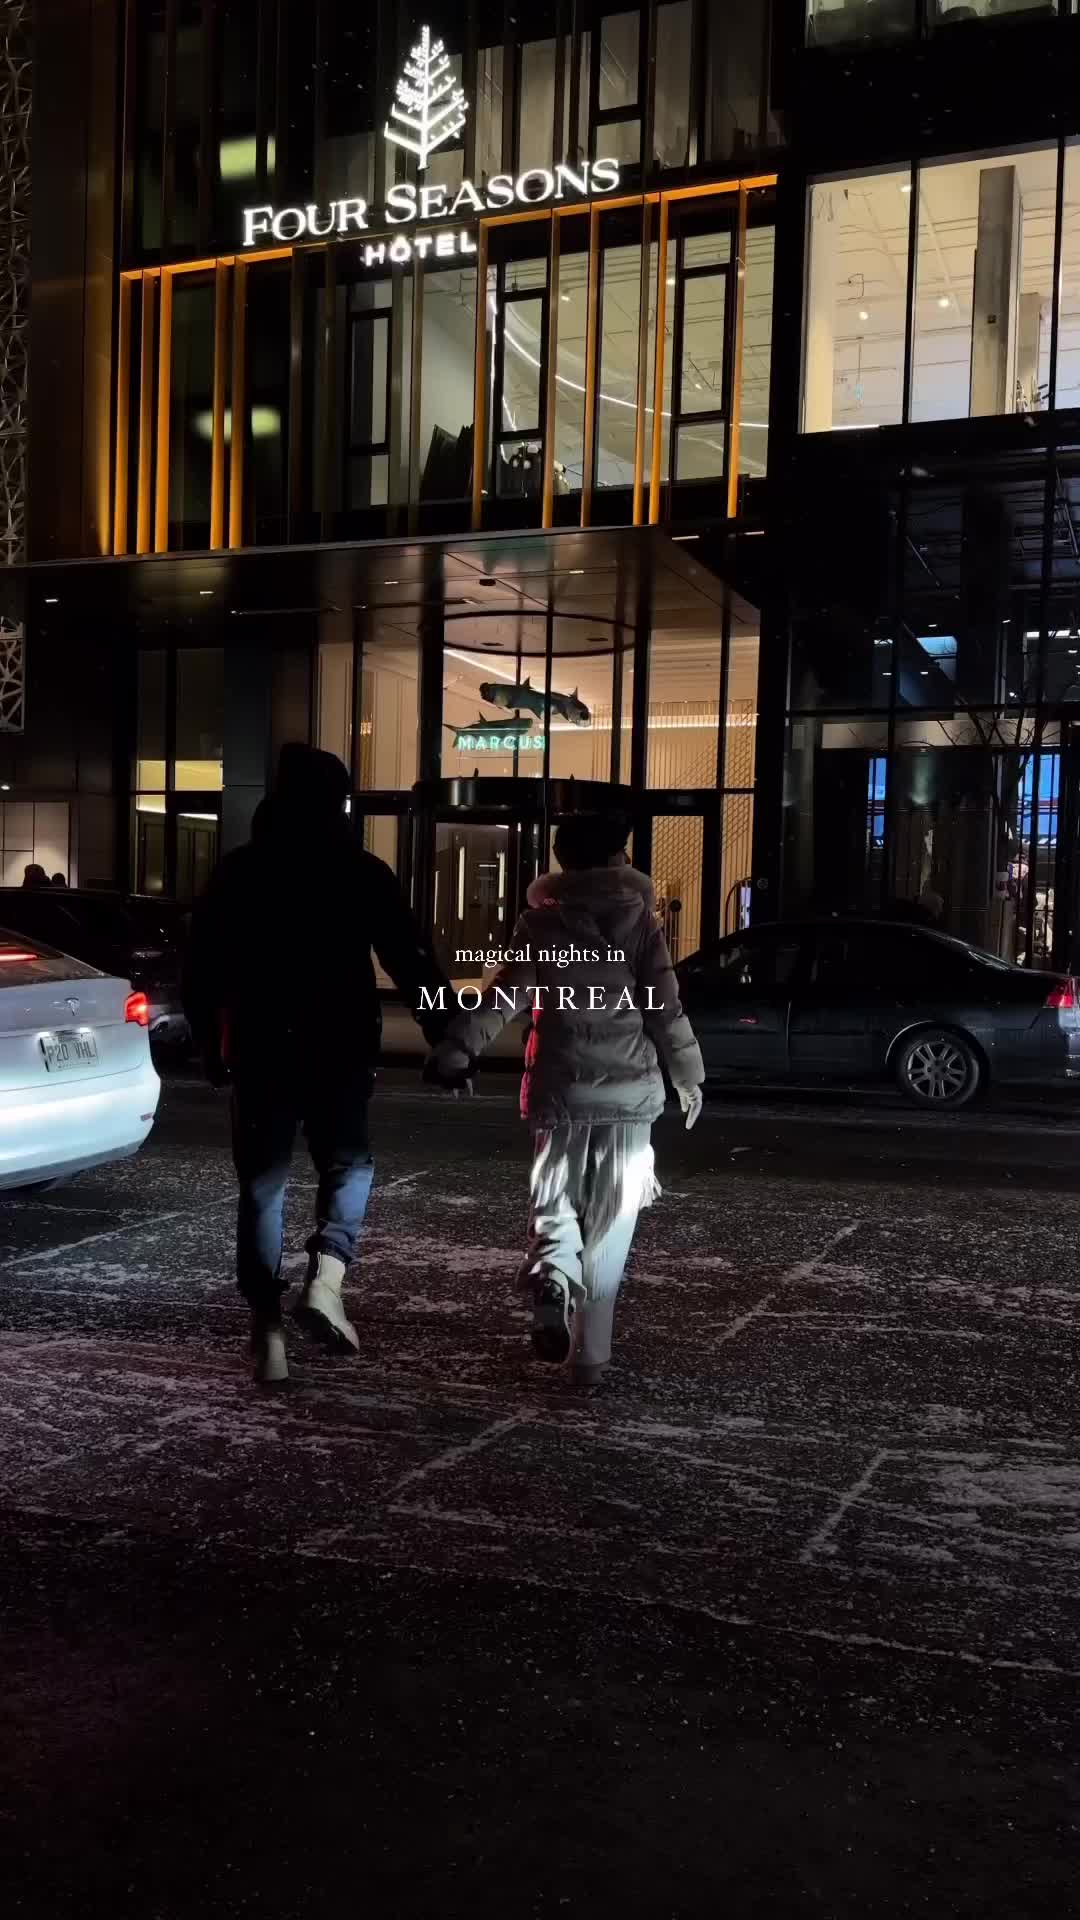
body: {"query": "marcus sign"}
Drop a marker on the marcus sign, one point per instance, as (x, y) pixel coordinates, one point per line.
(429, 110)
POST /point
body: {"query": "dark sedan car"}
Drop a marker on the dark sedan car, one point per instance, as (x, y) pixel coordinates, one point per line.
(137, 938)
(871, 999)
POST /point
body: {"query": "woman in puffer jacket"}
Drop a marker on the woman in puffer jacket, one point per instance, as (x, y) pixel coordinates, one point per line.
(592, 971)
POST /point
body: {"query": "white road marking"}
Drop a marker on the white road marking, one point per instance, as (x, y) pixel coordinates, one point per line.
(847, 1500)
(461, 1451)
(802, 1270)
(149, 1223)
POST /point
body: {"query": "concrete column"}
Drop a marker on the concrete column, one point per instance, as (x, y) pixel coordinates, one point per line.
(995, 303)
(819, 362)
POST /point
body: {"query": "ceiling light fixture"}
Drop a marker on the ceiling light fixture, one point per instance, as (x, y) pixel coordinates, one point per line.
(206, 593)
(863, 315)
(391, 583)
(52, 599)
(944, 300)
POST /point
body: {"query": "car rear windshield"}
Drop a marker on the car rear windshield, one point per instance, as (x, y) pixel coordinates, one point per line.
(29, 963)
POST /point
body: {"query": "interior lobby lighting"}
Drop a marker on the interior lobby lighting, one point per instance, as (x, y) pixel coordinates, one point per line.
(565, 298)
(206, 593)
(944, 300)
(906, 188)
(863, 315)
(391, 583)
(52, 599)
(265, 422)
(575, 569)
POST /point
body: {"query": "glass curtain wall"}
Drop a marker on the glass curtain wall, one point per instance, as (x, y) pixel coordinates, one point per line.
(931, 770)
(979, 280)
(848, 23)
(241, 102)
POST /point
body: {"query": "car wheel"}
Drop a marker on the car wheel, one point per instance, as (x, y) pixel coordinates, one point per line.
(938, 1069)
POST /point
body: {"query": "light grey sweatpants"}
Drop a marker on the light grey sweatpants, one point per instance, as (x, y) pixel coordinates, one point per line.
(585, 1191)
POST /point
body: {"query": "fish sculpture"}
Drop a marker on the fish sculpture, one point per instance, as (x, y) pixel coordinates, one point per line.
(525, 697)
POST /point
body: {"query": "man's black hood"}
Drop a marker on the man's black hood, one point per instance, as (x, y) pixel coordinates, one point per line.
(309, 792)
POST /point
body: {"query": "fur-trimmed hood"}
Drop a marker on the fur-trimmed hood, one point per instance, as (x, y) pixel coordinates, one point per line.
(592, 887)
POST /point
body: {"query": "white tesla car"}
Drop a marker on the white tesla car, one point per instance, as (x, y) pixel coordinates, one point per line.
(77, 1084)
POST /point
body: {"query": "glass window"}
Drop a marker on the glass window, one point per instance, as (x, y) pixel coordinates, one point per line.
(704, 332)
(349, 56)
(335, 698)
(188, 157)
(1068, 361)
(737, 113)
(150, 720)
(488, 112)
(267, 402)
(150, 96)
(740, 718)
(736, 858)
(238, 158)
(618, 66)
(856, 302)
(448, 366)
(756, 351)
(684, 706)
(200, 717)
(756, 963)
(389, 712)
(536, 125)
(983, 286)
(960, 13)
(367, 370)
(616, 421)
(191, 419)
(844, 22)
(671, 101)
(676, 870)
(573, 319)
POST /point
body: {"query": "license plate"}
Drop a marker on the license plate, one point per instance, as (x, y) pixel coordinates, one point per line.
(63, 1051)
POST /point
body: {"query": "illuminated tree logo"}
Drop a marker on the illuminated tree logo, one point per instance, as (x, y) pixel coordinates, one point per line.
(429, 108)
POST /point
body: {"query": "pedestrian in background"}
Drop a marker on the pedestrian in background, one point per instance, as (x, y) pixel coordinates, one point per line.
(282, 1000)
(592, 1085)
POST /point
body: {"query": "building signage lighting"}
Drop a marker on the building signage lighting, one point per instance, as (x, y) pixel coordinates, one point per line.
(496, 740)
(429, 110)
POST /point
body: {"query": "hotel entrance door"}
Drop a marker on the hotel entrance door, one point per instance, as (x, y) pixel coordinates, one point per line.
(482, 873)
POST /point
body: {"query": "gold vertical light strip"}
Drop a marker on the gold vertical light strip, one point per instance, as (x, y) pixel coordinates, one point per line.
(123, 420)
(735, 422)
(658, 377)
(238, 407)
(642, 393)
(592, 322)
(217, 448)
(144, 497)
(480, 378)
(164, 399)
(548, 398)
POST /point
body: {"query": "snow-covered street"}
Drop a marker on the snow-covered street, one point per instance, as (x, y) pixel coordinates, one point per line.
(783, 1620)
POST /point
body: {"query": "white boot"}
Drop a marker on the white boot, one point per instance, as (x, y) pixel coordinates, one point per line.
(319, 1309)
(268, 1351)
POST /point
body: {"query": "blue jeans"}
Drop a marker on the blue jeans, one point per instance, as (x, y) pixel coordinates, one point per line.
(332, 1111)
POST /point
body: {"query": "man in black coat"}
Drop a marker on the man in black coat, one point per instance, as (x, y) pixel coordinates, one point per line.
(282, 1000)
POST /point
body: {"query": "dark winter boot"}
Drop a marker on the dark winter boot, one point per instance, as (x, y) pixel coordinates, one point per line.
(553, 1313)
(319, 1309)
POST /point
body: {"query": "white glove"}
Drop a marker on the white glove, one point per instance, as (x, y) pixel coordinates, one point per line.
(690, 1102)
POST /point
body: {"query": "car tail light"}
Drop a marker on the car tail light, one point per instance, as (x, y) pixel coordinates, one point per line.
(1063, 995)
(137, 1009)
(12, 955)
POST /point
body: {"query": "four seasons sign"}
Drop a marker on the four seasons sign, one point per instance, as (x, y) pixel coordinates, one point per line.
(429, 110)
